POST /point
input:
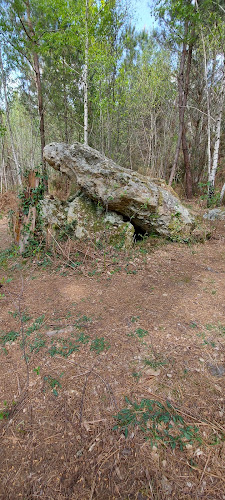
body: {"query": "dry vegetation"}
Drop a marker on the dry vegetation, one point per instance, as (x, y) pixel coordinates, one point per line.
(78, 342)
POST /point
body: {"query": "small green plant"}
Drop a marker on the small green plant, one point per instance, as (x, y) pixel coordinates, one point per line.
(53, 383)
(37, 370)
(5, 412)
(5, 280)
(63, 347)
(37, 344)
(141, 333)
(134, 319)
(154, 363)
(193, 324)
(82, 321)
(159, 423)
(83, 339)
(99, 344)
(9, 337)
(136, 375)
(205, 340)
(36, 325)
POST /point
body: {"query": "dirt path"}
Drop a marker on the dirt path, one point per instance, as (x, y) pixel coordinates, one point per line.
(151, 326)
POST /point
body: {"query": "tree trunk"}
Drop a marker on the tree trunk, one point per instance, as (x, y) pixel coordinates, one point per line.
(16, 162)
(207, 98)
(181, 106)
(222, 195)
(187, 164)
(183, 86)
(31, 36)
(65, 105)
(86, 77)
(212, 174)
(184, 140)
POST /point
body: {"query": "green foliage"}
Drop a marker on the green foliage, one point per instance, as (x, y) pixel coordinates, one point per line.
(8, 254)
(139, 333)
(212, 197)
(82, 321)
(99, 344)
(5, 412)
(8, 337)
(36, 325)
(37, 344)
(155, 363)
(63, 347)
(159, 423)
(53, 383)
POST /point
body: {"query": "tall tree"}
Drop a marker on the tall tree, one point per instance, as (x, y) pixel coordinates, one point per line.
(15, 158)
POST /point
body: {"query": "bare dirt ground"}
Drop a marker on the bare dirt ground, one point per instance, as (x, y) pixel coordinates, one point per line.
(80, 342)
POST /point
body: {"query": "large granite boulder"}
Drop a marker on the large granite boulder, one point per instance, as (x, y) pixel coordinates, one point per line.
(83, 219)
(152, 207)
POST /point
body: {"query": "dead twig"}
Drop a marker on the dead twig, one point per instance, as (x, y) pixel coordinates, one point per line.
(203, 472)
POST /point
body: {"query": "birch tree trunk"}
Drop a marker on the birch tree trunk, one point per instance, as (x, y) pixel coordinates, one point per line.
(212, 174)
(222, 195)
(16, 162)
(207, 98)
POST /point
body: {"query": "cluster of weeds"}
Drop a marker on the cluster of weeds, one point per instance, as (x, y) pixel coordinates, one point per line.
(219, 328)
(24, 316)
(210, 333)
(82, 321)
(6, 255)
(159, 423)
(136, 375)
(139, 333)
(52, 383)
(99, 344)
(37, 344)
(8, 337)
(63, 347)
(11, 336)
(155, 362)
(205, 340)
(5, 412)
(134, 319)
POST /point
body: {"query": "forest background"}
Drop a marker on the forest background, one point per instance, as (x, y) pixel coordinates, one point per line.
(151, 101)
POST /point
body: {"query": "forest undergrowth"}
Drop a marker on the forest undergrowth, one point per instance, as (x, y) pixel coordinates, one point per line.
(112, 370)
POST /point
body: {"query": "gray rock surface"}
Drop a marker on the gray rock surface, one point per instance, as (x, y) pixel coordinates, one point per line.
(215, 214)
(85, 220)
(154, 208)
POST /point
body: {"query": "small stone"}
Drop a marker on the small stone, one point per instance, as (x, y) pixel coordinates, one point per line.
(198, 452)
(218, 388)
(166, 486)
(169, 375)
(150, 372)
(216, 370)
(164, 462)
